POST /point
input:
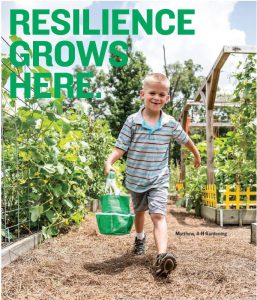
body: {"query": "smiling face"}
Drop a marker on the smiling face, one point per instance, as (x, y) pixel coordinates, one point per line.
(155, 95)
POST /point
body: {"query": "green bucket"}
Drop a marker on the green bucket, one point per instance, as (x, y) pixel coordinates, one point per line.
(115, 204)
(114, 223)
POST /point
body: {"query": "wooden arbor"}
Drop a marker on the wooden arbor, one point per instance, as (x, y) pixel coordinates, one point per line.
(206, 96)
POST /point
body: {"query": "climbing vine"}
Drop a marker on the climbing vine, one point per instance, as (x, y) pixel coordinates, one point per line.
(54, 158)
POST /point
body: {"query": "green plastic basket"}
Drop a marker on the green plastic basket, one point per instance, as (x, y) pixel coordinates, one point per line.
(115, 204)
(114, 224)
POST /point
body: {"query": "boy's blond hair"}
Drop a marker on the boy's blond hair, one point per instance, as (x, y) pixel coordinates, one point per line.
(156, 77)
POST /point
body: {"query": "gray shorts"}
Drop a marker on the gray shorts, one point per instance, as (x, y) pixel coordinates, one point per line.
(154, 199)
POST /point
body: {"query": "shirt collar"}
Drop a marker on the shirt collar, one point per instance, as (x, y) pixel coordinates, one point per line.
(164, 119)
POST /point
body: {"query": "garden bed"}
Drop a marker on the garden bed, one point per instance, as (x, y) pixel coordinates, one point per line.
(213, 263)
(229, 216)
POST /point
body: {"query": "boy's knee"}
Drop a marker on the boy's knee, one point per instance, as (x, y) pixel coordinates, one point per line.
(158, 217)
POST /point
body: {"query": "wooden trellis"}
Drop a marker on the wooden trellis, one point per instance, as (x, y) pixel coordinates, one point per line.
(206, 96)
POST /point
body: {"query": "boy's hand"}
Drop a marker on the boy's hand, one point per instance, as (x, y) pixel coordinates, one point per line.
(108, 167)
(116, 154)
(191, 146)
(197, 161)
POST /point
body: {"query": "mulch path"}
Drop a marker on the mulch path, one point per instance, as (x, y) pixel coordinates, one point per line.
(219, 263)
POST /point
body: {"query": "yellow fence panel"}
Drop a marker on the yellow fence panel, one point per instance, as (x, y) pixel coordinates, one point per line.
(210, 195)
(232, 198)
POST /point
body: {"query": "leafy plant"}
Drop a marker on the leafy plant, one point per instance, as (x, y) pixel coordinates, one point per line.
(235, 154)
(53, 161)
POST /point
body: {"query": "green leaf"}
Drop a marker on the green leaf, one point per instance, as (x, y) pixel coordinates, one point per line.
(44, 232)
(58, 104)
(49, 168)
(78, 134)
(66, 127)
(15, 38)
(60, 169)
(63, 142)
(50, 141)
(36, 212)
(51, 116)
(88, 172)
(53, 231)
(68, 203)
(65, 188)
(77, 218)
(48, 232)
(71, 157)
(42, 70)
(57, 190)
(29, 122)
(84, 145)
(181, 201)
(50, 215)
(8, 234)
(82, 158)
(5, 75)
(36, 156)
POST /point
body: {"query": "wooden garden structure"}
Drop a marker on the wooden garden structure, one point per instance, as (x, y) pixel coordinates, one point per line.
(233, 209)
(206, 96)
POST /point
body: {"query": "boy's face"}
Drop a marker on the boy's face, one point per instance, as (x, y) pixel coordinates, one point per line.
(155, 95)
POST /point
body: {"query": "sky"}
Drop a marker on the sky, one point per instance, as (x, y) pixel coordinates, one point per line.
(216, 23)
(243, 17)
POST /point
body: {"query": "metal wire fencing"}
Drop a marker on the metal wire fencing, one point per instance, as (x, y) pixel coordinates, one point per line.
(16, 204)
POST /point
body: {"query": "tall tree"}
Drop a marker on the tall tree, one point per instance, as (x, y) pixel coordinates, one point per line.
(184, 82)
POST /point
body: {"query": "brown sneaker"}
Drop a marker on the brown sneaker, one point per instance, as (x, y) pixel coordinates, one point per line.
(164, 264)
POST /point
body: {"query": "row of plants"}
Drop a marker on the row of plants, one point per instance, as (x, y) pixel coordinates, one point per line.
(60, 166)
(53, 160)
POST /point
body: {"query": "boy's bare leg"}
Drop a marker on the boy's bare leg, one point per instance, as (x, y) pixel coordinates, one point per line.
(139, 221)
(160, 232)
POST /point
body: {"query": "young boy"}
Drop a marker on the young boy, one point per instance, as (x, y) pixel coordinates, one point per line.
(145, 137)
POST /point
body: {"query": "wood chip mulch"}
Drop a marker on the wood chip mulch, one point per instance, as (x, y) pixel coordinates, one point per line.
(213, 263)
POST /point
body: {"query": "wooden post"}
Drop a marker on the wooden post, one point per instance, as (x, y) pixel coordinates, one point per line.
(209, 138)
(182, 166)
(182, 152)
(248, 197)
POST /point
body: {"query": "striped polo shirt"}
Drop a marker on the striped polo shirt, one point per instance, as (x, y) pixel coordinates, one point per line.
(148, 150)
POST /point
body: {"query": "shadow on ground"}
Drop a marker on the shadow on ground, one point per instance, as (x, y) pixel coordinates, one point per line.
(119, 264)
(181, 217)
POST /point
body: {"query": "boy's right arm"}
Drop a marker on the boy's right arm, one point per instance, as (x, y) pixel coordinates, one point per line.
(115, 155)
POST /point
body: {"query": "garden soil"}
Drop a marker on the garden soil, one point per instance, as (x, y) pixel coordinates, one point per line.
(213, 263)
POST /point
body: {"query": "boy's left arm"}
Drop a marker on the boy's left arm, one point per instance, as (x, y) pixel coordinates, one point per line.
(191, 146)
